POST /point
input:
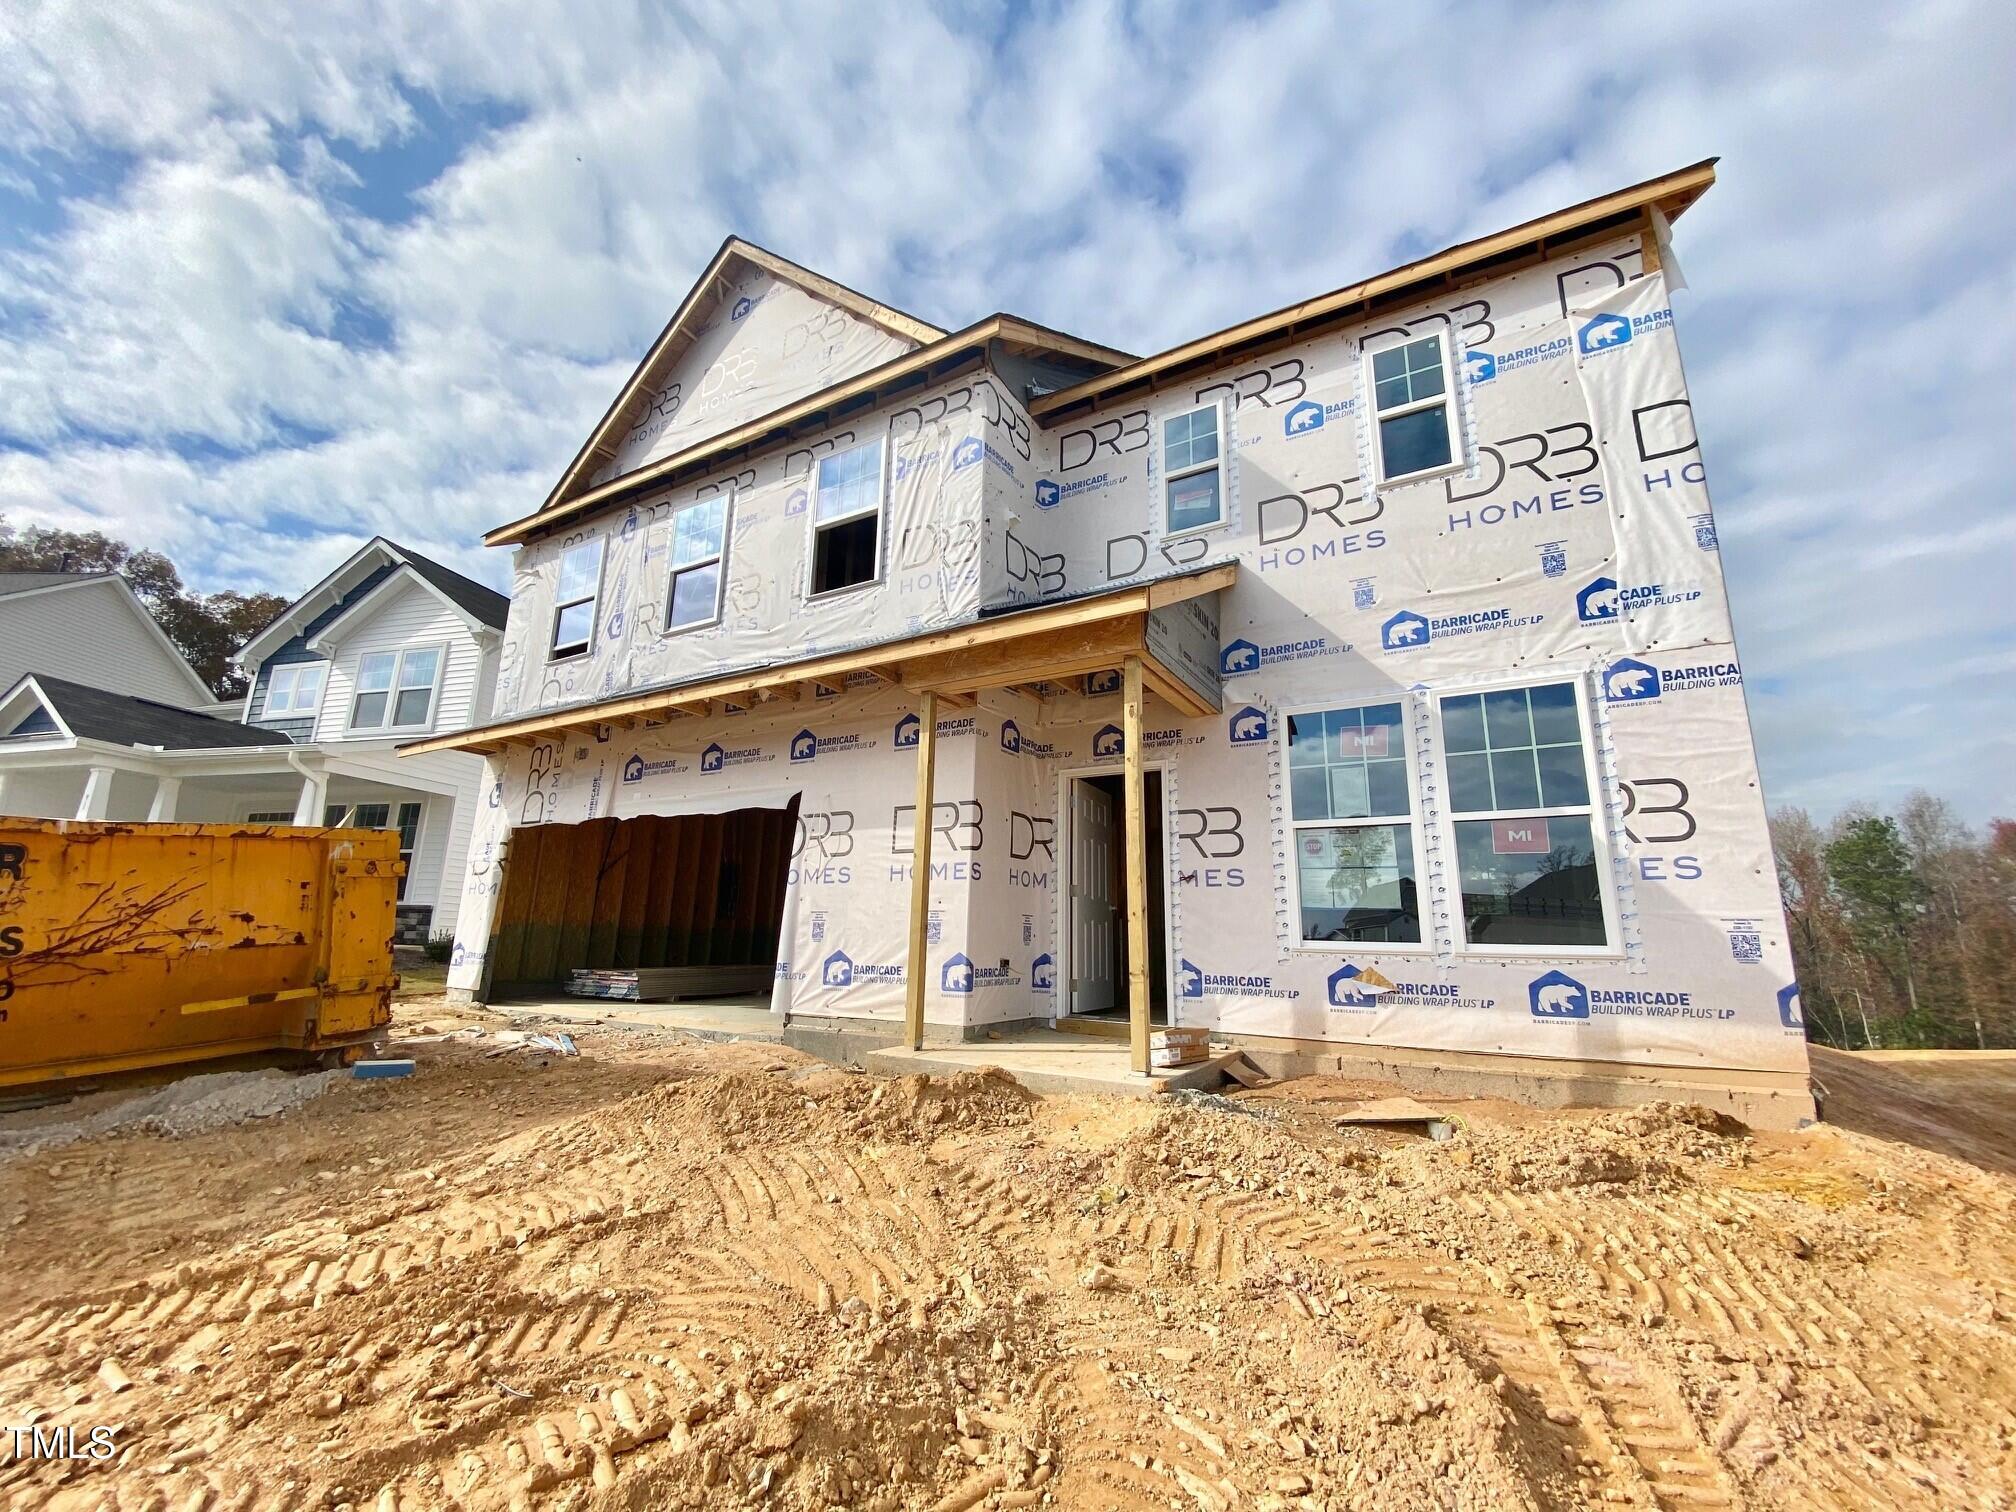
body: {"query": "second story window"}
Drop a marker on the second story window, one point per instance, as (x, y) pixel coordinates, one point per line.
(846, 520)
(699, 546)
(293, 690)
(1413, 407)
(1193, 492)
(395, 689)
(574, 598)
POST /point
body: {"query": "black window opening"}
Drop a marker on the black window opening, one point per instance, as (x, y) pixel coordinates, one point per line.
(844, 555)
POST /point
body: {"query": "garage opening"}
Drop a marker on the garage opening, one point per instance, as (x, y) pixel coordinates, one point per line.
(692, 904)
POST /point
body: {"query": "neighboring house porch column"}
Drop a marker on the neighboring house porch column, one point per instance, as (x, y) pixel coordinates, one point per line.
(314, 794)
(4, 776)
(166, 791)
(97, 794)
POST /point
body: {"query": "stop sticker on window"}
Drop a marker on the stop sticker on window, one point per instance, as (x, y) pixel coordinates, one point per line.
(1519, 837)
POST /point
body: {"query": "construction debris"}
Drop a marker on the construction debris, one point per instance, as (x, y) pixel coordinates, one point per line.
(667, 984)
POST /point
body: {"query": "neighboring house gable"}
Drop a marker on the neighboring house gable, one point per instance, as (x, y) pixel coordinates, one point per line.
(385, 596)
(90, 626)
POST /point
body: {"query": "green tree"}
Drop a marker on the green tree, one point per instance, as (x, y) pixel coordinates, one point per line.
(1871, 869)
(206, 629)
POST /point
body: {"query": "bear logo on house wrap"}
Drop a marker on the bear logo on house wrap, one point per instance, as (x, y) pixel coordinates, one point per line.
(1629, 680)
(804, 746)
(1303, 418)
(710, 759)
(837, 970)
(1248, 725)
(1603, 333)
(633, 769)
(1597, 601)
(1047, 493)
(1481, 367)
(957, 975)
(906, 731)
(1789, 1012)
(1558, 996)
(1042, 973)
(1404, 631)
(966, 453)
(1239, 656)
(1011, 737)
(1108, 742)
(1190, 980)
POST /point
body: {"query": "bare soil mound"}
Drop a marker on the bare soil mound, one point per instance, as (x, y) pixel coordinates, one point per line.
(670, 1275)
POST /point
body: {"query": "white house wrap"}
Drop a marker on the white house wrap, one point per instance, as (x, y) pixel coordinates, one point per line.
(1481, 775)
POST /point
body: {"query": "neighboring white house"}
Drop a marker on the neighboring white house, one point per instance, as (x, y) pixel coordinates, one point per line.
(94, 724)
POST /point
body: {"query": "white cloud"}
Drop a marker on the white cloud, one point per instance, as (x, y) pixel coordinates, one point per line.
(223, 352)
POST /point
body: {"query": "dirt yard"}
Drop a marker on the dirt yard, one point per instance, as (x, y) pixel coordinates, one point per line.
(668, 1274)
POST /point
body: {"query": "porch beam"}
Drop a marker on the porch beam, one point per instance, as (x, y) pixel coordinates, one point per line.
(920, 871)
(1137, 865)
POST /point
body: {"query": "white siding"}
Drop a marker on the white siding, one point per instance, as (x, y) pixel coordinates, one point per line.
(397, 619)
(93, 634)
(442, 848)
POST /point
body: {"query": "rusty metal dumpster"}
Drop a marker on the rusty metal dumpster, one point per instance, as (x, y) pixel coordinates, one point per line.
(130, 945)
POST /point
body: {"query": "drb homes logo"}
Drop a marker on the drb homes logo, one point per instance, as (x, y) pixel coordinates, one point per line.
(1048, 494)
(1247, 727)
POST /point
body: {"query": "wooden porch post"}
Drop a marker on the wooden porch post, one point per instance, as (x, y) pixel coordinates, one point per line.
(920, 873)
(1137, 867)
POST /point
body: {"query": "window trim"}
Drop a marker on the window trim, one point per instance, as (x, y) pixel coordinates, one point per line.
(1597, 811)
(1166, 475)
(1447, 399)
(587, 648)
(386, 726)
(813, 524)
(1416, 825)
(672, 571)
(294, 710)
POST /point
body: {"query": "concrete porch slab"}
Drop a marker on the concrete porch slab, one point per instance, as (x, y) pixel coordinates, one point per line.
(1047, 1062)
(715, 1019)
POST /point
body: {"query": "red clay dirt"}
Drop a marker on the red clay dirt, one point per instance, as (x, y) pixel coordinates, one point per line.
(673, 1274)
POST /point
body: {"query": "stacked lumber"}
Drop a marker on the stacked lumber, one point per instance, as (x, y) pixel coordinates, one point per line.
(669, 984)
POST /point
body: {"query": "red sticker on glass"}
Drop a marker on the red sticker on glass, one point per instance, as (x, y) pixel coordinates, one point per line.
(1519, 837)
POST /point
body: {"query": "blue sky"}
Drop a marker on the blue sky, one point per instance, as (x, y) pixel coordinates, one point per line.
(274, 278)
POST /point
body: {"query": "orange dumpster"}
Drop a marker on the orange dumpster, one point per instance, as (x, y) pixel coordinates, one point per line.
(132, 945)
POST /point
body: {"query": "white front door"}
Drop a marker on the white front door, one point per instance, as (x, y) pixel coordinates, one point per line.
(1095, 919)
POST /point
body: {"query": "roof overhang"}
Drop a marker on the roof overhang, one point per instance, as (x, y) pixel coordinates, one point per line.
(297, 616)
(937, 360)
(1623, 209)
(403, 575)
(1024, 649)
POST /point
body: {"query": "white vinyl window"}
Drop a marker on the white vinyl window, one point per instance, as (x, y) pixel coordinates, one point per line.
(1193, 492)
(396, 690)
(1413, 407)
(1529, 855)
(293, 689)
(574, 595)
(699, 565)
(1351, 811)
(846, 520)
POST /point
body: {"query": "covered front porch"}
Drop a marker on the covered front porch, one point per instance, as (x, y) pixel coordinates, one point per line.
(1108, 653)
